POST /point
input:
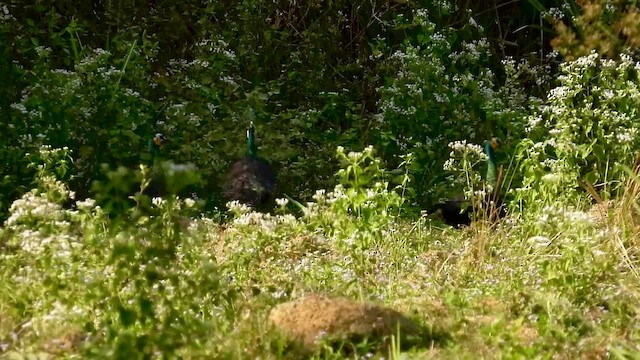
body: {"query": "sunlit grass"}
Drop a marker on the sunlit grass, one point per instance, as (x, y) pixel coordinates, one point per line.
(561, 283)
(491, 293)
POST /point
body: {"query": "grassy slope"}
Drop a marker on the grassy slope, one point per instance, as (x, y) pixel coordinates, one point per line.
(561, 290)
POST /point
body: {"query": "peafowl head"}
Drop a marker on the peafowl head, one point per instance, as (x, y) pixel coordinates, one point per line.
(155, 144)
(159, 139)
(494, 143)
(252, 149)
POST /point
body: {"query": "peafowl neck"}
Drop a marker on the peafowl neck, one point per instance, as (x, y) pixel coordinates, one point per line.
(155, 152)
(492, 172)
(252, 150)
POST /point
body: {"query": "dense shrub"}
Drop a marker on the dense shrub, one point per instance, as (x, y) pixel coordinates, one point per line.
(312, 76)
(425, 82)
(584, 134)
(443, 89)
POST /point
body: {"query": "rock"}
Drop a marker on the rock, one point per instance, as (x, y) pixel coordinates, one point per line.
(316, 319)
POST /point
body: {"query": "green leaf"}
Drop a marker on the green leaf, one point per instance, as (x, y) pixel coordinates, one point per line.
(127, 317)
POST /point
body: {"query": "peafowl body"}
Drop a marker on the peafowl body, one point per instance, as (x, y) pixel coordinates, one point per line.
(251, 180)
(452, 211)
(457, 211)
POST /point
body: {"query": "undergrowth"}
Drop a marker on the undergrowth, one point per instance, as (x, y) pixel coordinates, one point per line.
(78, 285)
(91, 267)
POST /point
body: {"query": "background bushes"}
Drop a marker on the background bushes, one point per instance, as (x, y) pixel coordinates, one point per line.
(411, 76)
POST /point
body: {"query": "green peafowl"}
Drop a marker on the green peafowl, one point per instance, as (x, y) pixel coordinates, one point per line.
(457, 211)
(157, 184)
(250, 180)
(167, 177)
(121, 190)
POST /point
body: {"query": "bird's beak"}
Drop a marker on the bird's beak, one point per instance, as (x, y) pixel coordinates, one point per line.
(495, 143)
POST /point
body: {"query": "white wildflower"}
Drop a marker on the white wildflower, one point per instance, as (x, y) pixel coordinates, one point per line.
(539, 241)
(158, 202)
(282, 202)
(189, 203)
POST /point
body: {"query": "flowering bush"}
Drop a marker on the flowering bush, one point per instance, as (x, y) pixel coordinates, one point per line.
(123, 276)
(91, 108)
(585, 132)
(441, 88)
(37, 218)
(463, 161)
(361, 206)
(355, 213)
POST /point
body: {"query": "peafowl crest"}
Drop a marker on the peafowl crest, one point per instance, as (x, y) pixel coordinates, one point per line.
(251, 180)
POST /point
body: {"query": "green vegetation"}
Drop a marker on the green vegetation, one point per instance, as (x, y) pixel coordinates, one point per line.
(369, 112)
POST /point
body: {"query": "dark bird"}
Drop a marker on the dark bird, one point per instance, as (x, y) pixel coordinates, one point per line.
(457, 211)
(167, 177)
(157, 184)
(125, 189)
(251, 180)
(118, 191)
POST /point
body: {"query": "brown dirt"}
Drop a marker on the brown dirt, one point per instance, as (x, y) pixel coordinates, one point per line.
(68, 341)
(527, 334)
(316, 318)
(600, 212)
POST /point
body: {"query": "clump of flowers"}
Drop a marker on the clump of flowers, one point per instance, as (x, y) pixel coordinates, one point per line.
(37, 220)
(463, 165)
(38, 224)
(362, 205)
